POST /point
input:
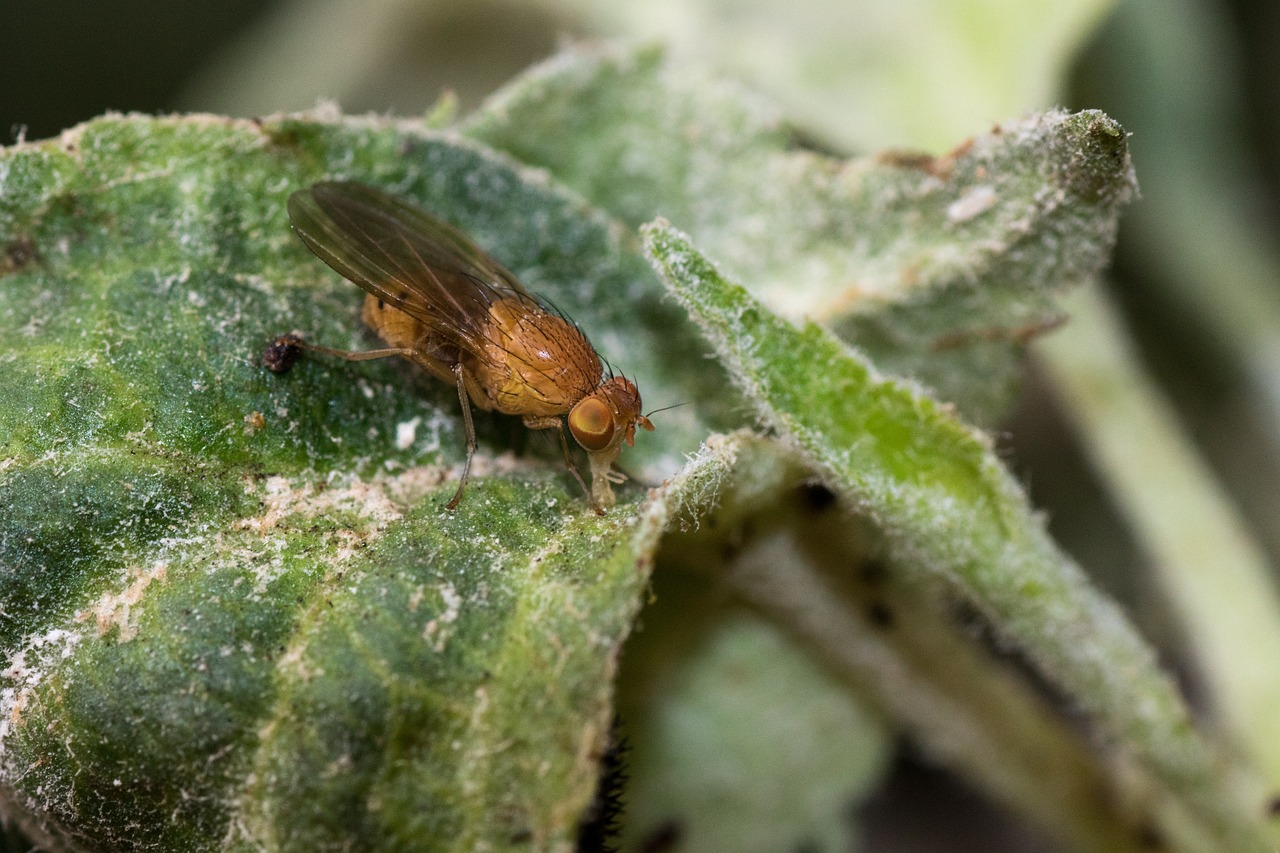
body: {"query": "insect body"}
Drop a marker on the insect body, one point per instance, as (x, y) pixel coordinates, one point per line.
(441, 302)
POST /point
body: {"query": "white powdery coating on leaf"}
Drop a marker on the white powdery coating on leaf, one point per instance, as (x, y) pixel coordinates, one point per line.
(115, 609)
(437, 628)
(407, 433)
(25, 674)
(281, 499)
(972, 203)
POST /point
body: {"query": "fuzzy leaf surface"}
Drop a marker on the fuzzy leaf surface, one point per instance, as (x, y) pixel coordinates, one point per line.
(947, 505)
(940, 268)
(232, 609)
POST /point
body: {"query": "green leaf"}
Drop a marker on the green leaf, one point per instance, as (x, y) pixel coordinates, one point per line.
(940, 268)
(947, 507)
(750, 745)
(874, 74)
(232, 609)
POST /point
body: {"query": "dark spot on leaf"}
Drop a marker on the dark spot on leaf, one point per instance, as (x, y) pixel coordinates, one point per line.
(1149, 838)
(815, 497)
(662, 839)
(873, 572)
(809, 142)
(733, 543)
(1273, 807)
(880, 615)
(283, 137)
(18, 255)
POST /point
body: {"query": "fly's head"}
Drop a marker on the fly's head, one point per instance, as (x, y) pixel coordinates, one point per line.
(601, 422)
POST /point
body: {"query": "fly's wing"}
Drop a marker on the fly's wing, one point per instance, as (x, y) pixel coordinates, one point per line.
(406, 257)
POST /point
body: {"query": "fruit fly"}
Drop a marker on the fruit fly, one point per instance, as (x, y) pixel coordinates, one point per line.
(438, 300)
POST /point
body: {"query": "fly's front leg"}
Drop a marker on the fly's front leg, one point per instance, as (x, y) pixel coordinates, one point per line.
(558, 425)
(471, 435)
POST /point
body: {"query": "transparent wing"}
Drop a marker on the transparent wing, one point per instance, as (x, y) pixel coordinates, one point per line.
(407, 258)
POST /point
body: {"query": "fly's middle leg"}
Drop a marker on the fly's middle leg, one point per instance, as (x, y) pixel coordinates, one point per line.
(471, 435)
(558, 425)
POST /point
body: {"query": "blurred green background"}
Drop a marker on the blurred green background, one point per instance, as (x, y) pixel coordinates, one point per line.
(1197, 275)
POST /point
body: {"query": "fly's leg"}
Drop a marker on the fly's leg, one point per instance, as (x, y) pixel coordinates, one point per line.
(548, 423)
(471, 436)
(283, 352)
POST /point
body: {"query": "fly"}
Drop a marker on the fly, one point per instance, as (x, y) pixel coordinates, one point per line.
(440, 301)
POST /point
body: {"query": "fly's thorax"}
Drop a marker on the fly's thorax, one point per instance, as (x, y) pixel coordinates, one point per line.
(539, 363)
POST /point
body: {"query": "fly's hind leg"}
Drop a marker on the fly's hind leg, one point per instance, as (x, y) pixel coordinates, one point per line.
(471, 435)
(558, 425)
(283, 352)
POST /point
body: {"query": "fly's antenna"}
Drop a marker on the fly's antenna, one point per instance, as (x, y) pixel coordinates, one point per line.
(654, 411)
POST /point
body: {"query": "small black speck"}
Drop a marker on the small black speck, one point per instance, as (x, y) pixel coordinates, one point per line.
(1273, 806)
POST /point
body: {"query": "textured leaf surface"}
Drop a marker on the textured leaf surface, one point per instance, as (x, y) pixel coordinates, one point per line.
(937, 267)
(231, 610)
(231, 607)
(944, 501)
